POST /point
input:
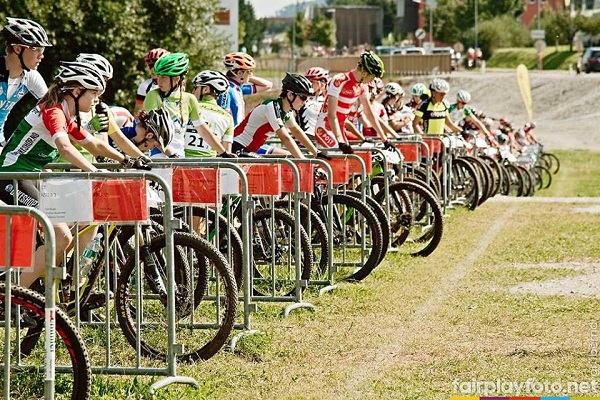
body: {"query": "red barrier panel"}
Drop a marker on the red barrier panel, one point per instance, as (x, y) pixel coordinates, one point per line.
(341, 171)
(410, 151)
(307, 178)
(23, 241)
(199, 186)
(122, 200)
(355, 165)
(263, 179)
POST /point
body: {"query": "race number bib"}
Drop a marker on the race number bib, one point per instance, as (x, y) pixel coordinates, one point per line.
(193, 141)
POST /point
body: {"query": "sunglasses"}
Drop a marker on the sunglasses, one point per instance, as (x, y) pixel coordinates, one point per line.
(302, 96)
(38, 50)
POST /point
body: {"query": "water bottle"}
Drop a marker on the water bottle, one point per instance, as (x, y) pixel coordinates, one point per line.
(89, 255)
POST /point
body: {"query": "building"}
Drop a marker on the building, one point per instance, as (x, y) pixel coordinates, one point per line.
(356, 25)
(226, 19)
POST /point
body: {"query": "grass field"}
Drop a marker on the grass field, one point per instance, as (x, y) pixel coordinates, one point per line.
(498, 300)
(553, 58)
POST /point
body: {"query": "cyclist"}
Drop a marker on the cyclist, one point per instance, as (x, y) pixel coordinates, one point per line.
(306, 117)
(44, 133)
(170, 71)
(240, 69)
(276, 116)
(26, 41)
(419, 93)
(150, 83)
(460, 111)
(149, 130)
(343, 91)
(433, 112)
(208, 85)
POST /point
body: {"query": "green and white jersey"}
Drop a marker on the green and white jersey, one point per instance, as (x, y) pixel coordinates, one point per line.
(32, 145)
(220, 123)
(456, 114)
(182, 109)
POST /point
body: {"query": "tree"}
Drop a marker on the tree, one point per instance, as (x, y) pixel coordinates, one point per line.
(322, 31)
(299, 32)
(251, 30)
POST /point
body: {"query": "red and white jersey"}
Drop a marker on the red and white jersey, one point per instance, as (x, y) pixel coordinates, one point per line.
(347, 90)
(262, 122)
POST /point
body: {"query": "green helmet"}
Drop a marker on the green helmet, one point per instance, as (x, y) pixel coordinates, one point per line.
(174, 64)
(371, 63)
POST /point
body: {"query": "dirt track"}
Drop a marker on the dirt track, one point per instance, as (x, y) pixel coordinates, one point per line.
(566, 107)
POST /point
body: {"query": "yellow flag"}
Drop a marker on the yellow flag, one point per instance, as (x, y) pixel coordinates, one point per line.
(525, 87)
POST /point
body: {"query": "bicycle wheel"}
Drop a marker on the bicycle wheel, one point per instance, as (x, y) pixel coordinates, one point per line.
(496, 173)
(358, 241)
(553, 162)
(543, 177)
(466, 186)
(205, 329)
(318, 236)
(74, 380)
(381, 218)
(416, 218)
(274, 253)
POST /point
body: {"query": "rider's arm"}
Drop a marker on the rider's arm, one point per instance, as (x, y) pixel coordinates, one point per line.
(388, 129)
(71, 154)
(417, 124)
(453, 127)
(120, 139)
(349, 126)
(478, 123)
(288, 142)
(301, 136)
(209, 137)
(261, 84)
(370, 115)
(332, 105)
(100, 148)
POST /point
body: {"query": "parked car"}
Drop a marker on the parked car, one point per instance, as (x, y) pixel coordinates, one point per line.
(591, 59)
(408, 50)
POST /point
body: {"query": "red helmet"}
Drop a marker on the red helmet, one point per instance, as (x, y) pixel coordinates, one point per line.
(317, 74)
(154, 55)
(239, 60)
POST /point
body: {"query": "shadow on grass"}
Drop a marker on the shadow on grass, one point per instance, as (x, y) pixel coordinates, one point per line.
(557, 60)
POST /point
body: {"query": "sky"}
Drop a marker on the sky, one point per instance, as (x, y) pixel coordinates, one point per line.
(268, 8)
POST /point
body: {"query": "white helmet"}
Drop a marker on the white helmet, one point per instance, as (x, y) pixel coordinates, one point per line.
(99, 62)
(463, 96)
(440, 85)
(26, 32)
(160, 123)
(216, 80)
(86, 75)
(393, 89)
(418, 89)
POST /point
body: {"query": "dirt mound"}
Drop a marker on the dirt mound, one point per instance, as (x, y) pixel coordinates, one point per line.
(565, 106)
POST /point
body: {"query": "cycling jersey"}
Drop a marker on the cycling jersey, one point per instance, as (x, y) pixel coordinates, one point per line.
(433, 116)
(32, 145)
(307, 115)
(143, 90)
(346, 89)
(233, 100)
(263, 121)
(189, 108)
(456, 114)
(220, 123)
(13, 90)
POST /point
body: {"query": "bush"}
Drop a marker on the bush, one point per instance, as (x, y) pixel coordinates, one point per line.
(500, 32)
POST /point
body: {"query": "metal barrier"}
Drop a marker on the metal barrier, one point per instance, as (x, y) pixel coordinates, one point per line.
(52, 275)
(99, 210)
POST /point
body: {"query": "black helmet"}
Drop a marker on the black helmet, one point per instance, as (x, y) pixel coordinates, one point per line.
(297, 83)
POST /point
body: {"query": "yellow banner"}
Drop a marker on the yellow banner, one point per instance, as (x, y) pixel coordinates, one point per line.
(525, 87)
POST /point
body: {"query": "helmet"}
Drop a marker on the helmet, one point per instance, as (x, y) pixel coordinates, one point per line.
(393, 89)
(160, 123)
(463, 96)
(440, 86)
(174, 64)
(317, 73)
(501, 138)
(296, 83)
(26, 32)
(418, 89)
(86, 75)
(371, 63)
(99, 62)
(529, 125)
(216, 80)
(153, 55)
(239, 60)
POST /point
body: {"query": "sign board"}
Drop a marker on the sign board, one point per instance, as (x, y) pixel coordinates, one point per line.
(538, 34)
(458, 47)
(540, 45)
(431, 4)
(420, 33)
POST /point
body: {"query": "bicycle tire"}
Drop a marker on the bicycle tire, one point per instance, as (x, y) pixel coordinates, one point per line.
(281, 256)
(424, 234)
(70, 347)
(496, 173)
(216, 330)
(347, 233)
(318, 236)
(381, 217)
(553, 161)
(465, 183)
(544, 177)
